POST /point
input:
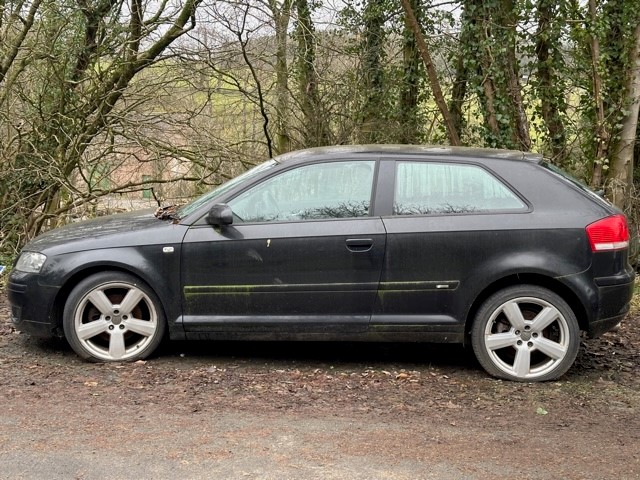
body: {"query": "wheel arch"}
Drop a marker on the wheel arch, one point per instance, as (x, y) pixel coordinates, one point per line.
(540, 280)
(78, 276)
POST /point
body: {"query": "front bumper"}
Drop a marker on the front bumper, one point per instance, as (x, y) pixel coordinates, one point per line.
(32, 305)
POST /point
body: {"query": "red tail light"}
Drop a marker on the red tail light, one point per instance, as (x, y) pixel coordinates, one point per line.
(611, 233)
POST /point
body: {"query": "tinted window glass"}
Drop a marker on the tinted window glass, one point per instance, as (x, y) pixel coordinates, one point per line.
(327, 190)
(571, 179)
(432, 188)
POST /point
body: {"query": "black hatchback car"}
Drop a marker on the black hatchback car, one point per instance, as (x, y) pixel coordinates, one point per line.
(363, 243)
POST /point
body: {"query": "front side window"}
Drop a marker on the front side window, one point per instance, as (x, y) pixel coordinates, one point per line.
(311, 192)
(445, 188)
(208, 197)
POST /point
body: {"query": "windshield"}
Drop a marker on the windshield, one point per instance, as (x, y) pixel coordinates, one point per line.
(189, 208)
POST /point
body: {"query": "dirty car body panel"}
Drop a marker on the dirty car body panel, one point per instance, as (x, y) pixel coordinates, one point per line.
(380, 243)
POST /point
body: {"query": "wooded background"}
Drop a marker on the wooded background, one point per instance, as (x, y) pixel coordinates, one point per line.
(104, 99)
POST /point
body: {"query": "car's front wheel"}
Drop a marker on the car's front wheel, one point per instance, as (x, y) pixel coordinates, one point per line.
(113, 316)
(525, 333)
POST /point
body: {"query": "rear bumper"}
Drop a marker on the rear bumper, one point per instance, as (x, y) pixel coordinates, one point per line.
(614, 301)
(37, 317)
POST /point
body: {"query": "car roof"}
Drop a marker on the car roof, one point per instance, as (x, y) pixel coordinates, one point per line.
(355, 151)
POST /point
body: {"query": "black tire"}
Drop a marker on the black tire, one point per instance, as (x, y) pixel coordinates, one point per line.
(113, 317)
(525, 333)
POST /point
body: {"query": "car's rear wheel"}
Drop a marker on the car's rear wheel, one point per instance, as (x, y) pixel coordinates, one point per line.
(525, 333)
(113, 316)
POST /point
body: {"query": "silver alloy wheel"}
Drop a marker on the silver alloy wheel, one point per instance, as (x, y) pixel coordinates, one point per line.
(115, 321)
(527, 337)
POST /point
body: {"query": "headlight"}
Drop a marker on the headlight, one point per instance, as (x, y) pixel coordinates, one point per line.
(30, 262)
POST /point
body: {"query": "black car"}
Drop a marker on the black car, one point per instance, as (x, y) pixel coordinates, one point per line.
(494, 248)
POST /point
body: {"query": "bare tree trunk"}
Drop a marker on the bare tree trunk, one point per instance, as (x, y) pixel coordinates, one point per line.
(515, 89)
(459, 90)
(14, 44)
(260, 99)
(550, 94)
(622, 164)
(488, 85)
(371, 128)
(11, 64)
(412, 22)
(408, 108)
(602, 133)
(281, 16)
(316, 130)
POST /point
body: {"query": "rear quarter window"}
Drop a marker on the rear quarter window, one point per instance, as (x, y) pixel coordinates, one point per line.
(567, 178)
(424, 188)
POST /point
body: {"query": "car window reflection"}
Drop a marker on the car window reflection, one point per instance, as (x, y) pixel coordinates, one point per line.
(424, 188)
(320, 191)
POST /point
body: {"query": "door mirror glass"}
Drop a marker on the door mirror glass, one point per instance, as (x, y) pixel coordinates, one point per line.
(220, 214)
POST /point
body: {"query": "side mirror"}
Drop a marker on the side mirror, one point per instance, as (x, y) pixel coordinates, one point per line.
(219, 215)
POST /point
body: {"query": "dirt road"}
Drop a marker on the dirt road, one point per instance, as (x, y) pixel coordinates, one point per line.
(321, 410)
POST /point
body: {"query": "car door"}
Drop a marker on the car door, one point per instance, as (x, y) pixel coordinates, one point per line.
(444, 220)
(302, 255)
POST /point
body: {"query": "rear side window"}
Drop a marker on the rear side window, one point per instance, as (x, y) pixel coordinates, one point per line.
(576, 183)
(445, 188)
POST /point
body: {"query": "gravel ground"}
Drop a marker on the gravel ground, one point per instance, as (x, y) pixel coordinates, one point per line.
(314, 410)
